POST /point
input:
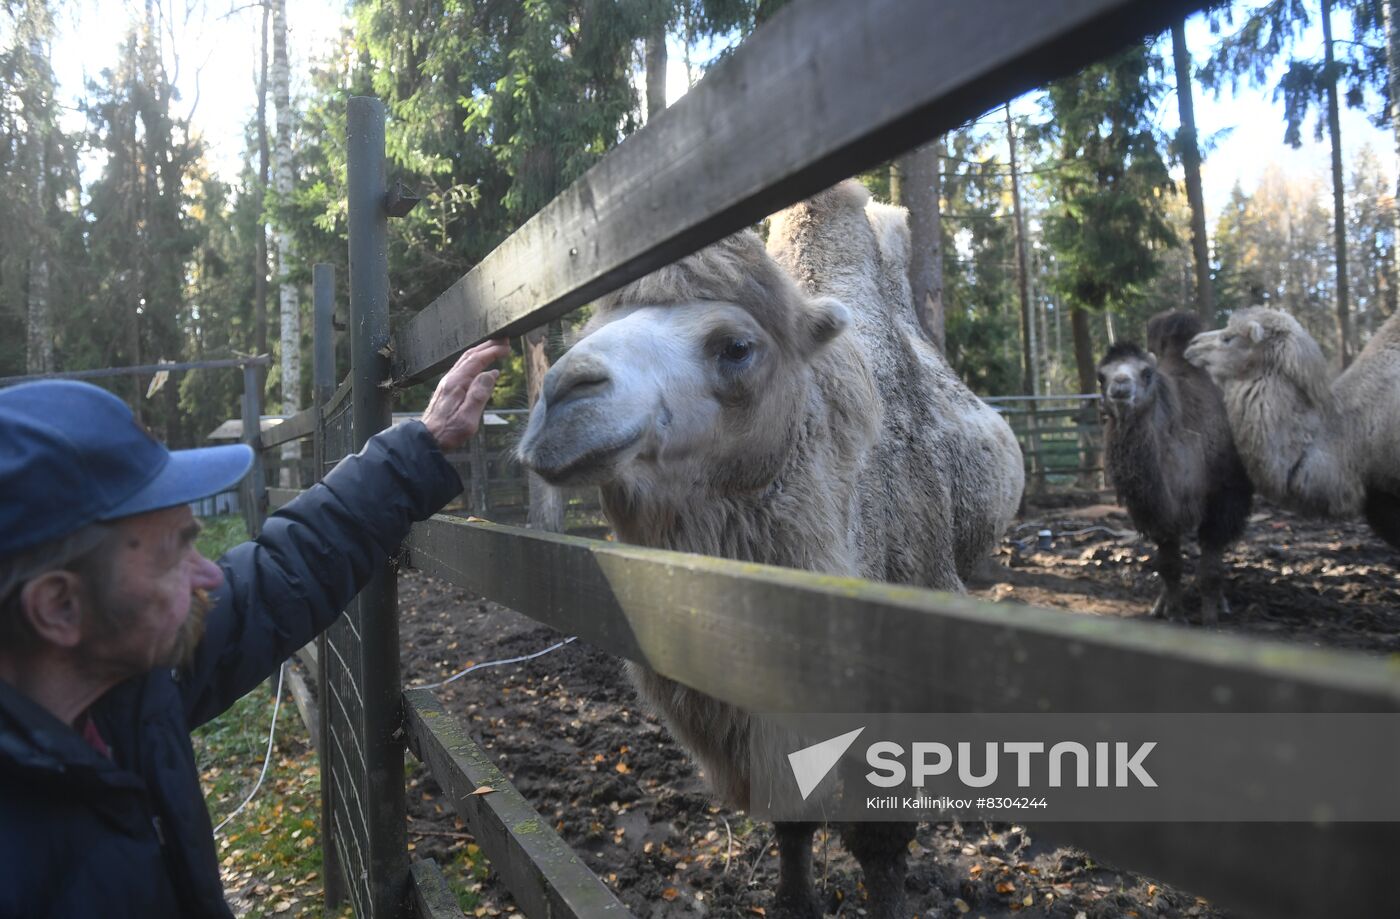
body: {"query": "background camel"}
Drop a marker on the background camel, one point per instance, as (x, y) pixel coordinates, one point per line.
(1314, 443)
(1169, 454)
(722, 410)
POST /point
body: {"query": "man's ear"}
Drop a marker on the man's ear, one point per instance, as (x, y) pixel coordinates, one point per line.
(52, 604)
(824, 319)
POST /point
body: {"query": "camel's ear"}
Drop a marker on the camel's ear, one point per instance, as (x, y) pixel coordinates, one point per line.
(824, 319)
(1256, 331)
(1152, 358)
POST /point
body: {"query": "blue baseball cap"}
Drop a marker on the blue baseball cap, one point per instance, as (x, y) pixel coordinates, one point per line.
(72, 454)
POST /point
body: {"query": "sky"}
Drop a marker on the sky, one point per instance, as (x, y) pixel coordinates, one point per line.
(218, 57)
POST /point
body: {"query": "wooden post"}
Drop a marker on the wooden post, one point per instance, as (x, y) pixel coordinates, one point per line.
(371, 406)
(322, 388)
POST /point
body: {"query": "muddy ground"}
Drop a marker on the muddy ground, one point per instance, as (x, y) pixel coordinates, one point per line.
(569, 731)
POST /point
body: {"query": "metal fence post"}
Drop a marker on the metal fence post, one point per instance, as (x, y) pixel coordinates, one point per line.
(372, 407)
(254, 491)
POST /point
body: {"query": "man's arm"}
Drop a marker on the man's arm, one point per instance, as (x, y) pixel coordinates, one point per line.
(315, 554)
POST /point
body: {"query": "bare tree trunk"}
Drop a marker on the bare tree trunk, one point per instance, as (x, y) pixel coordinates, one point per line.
(1028, 374)
(1084, 364)
(1339, 217)
(546, 502)
(656, 70)
(914, 185)
(260, 196)
(1038, 305)
(39, 350)
(1392, 35)
(290, 308)
(1191, 160)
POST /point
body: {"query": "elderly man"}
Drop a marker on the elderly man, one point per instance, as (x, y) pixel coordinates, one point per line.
(117, 637)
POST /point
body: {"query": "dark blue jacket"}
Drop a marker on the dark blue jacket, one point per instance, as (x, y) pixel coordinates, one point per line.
(82, 835)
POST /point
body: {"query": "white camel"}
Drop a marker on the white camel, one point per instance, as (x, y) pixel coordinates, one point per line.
(1317, 443)
(723, 410)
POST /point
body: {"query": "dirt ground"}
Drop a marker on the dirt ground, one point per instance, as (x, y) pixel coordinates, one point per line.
(569, 731)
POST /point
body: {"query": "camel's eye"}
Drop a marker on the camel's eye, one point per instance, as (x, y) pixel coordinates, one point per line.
(1147, 374)
(736, 351)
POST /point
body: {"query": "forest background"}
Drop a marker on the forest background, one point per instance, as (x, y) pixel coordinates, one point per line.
(1044, 229)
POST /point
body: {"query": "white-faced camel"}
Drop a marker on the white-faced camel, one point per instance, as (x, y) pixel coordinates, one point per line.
(1313, 441)
(722, 408)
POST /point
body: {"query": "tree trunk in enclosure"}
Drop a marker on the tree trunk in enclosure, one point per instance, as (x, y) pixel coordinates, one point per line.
(546, 502)
(1392, 44)
(1191, 160)
(260, 197)
(39, 351)
(1085, 365)
(656, 70)
(914, 184)
(290, 308)
(1028, 374)
(1339, 216)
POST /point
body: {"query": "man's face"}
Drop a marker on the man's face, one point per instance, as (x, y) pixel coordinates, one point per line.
(155, 602)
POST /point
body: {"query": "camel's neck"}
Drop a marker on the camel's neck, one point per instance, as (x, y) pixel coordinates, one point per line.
(1138, 439)
(1293, 443)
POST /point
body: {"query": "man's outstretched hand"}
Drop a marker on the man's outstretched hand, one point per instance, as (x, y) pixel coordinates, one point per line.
(454, 412)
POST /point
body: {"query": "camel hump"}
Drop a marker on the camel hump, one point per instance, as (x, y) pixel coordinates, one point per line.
(847, 195)
(1123, 350)
(891, 226)
(1169, 333)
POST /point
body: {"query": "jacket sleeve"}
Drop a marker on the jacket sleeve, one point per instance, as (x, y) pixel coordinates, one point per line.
(288, 585)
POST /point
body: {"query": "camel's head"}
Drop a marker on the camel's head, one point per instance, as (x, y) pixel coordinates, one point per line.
(1127, 376)
(691, 377)
(1254, 342)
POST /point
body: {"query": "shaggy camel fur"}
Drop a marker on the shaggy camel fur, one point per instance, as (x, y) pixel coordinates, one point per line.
(1170, 455)
(722, 410)
(1314, 443)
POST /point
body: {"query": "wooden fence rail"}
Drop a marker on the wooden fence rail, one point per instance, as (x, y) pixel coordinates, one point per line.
(825, 89)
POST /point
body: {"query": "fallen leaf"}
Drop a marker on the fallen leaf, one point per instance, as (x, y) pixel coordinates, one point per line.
(483, 790)
(961, 905)
(669, 894)
(1006, 887)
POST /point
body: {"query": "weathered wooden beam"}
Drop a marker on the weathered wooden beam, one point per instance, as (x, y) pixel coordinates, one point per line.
(542, 873)
(823, 90)
(775, 639)
(310, 657)
(302, 424)
(772, 639)
(338, 398)
(432, 898)
(306, 705)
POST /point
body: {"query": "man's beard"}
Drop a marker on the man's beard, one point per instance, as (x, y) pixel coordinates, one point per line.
(191, 632)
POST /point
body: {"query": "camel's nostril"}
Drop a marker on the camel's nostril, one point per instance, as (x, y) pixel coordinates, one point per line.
(575, 387)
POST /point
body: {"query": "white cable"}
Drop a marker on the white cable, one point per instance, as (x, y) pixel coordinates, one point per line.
(1121, 534)
(276, 703)
(512, 660)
